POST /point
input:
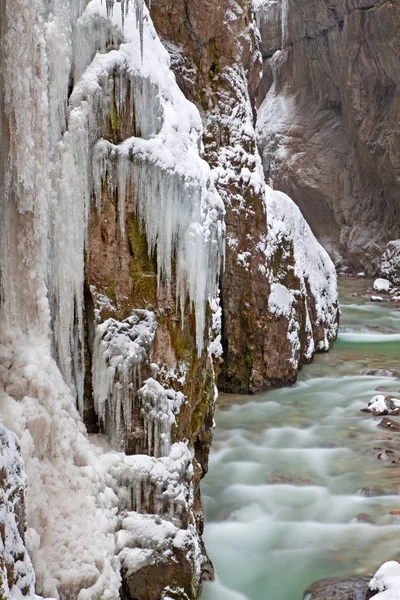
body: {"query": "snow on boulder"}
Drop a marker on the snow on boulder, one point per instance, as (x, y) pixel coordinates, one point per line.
(382, 285)
(389, 265)
(386, 581)
(377, 404)
(376, 299)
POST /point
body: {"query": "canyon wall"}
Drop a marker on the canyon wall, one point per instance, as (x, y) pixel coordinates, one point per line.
(143, 261)
(216, 57)
(328, 124)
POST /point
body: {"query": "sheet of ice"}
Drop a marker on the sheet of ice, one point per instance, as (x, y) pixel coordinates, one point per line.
(70, 509)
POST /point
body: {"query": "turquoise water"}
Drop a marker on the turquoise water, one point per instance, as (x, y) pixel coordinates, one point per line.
(268, 538)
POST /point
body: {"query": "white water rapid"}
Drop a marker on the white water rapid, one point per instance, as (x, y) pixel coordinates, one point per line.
(270, 539)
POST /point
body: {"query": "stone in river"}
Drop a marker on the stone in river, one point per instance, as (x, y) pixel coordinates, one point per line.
(365, 518)
(372, 492)
(338, 588)
(390, 424)
(286, 479)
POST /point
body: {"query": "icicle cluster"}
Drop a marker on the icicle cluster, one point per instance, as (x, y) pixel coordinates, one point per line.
(119, 350)
(146, 484)
(159, 408)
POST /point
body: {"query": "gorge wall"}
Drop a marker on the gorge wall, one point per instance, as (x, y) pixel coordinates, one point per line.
(143, 260)
(328, 121)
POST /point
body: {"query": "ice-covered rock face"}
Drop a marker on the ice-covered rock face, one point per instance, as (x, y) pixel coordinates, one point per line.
(17, 578)
(69, 77)
(259, 339)
(314, 271)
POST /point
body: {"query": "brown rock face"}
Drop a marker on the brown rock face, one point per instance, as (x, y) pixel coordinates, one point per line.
(328, 124)
(218, 68)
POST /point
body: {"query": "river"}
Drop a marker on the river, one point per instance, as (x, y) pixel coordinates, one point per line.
(270, 539)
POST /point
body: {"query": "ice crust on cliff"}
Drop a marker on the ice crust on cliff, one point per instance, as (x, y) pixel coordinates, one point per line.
(72, 506)
(120, 347)
(15, 562)
(177, 202)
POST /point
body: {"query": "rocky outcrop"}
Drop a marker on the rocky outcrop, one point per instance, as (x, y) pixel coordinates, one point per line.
(389, 265)
(217, 68)
(328, 121)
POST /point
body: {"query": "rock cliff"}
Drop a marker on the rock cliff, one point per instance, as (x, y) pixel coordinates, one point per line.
(328, 125)
(139, 245)
(218, 68)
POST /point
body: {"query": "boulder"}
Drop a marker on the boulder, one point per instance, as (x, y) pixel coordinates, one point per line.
(389, 424)
(338, 588)
(382, 285)
(389, 265)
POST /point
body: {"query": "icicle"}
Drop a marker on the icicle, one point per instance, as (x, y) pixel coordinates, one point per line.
(119, 348)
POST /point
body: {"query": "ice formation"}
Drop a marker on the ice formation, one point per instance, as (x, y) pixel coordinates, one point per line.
(119, 350)
(58, 69)
(16, 570)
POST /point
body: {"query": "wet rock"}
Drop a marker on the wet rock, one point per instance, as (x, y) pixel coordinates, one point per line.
(339, 588)
(389, 424)
(373, 492)
(287, 479)
(395, 511)
(382, 373)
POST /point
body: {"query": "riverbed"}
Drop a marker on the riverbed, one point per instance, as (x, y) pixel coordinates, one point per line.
(269, 535)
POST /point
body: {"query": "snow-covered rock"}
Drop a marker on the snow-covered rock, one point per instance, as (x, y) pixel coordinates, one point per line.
(311, 266)
(383, 405)
(386, 581)
(376, 299)
(382, 285)
(389, 265)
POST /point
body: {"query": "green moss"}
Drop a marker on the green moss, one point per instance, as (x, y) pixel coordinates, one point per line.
(114, 117)
(110, 292)
(143, 268)
(276, 261)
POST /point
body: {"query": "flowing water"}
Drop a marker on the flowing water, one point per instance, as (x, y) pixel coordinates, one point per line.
(270, 539)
